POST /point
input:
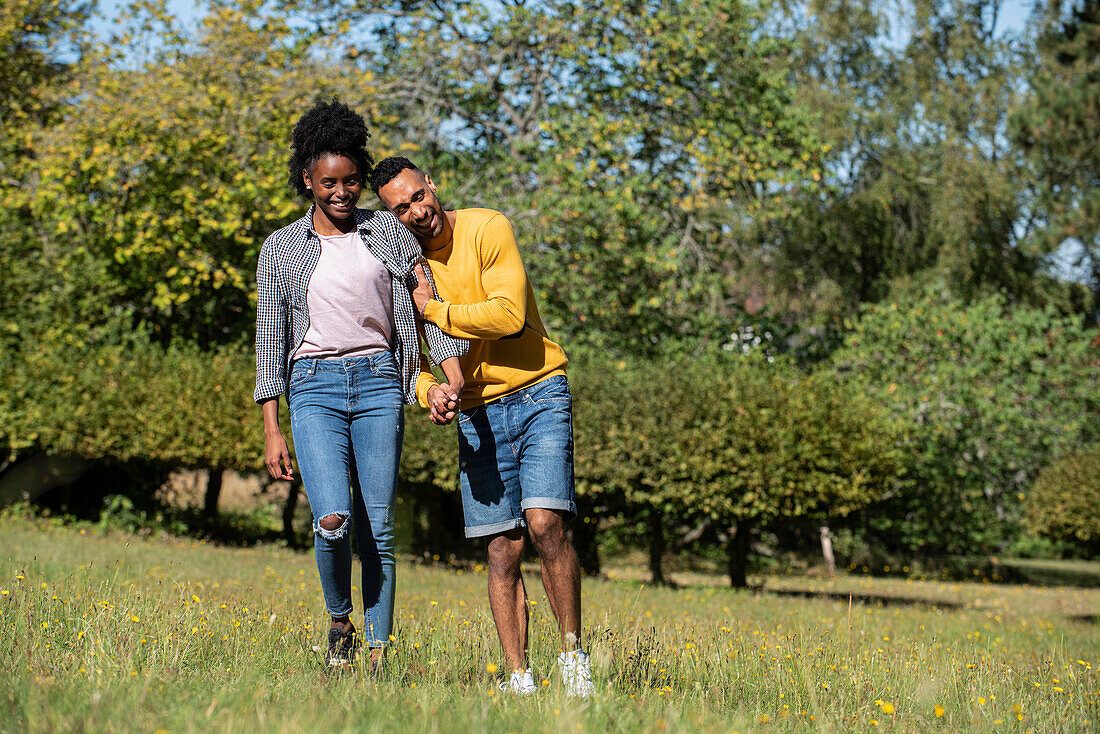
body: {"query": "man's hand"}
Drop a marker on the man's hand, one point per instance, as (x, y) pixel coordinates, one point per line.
(423, 291)
(443, 404)
(277, 457)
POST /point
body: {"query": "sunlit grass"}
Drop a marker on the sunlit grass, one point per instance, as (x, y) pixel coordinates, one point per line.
(160, 634)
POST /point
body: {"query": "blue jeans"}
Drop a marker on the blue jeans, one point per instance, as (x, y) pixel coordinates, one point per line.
(348, 420)
(514, 454)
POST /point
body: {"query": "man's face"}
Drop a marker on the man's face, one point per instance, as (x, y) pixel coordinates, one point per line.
(411, 198)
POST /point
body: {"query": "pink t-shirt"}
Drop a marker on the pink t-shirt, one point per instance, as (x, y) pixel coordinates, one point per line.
(350, 301)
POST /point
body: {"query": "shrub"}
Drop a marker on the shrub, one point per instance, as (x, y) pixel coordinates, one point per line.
(1064, 502)
(727, 441)
(731, 441)
(989, 394)
(126, 398)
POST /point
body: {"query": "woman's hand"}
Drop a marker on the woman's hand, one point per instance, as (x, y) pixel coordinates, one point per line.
(277, 457)
(276, 453)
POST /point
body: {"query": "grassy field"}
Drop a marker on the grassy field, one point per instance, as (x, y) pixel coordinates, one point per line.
(157, 634)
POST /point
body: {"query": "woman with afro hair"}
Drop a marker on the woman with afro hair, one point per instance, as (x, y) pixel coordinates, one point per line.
(336, 333)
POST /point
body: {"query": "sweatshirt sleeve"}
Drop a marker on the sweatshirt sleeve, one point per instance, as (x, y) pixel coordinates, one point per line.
(425, 381)
(504, 310)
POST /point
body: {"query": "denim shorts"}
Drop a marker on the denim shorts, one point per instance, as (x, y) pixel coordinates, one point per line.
(514, 454)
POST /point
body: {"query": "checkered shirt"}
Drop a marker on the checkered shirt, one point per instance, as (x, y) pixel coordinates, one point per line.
(287, 261)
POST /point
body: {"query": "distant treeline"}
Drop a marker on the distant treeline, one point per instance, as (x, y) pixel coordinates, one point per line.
(810, 259)
(922, 435)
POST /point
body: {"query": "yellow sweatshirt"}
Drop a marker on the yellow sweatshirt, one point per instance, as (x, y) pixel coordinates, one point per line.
(487, 298)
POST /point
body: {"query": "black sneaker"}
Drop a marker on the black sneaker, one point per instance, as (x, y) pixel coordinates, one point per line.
(341, 647)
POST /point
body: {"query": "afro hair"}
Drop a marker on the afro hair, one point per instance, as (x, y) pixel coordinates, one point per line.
(329, 128)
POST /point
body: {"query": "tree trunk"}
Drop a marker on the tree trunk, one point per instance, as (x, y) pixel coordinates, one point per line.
(213, 492)
(1096, 286)
(436, 534)
(657, 547)
(289, 509)
(827, 550)
(738, 550)
(584, 534)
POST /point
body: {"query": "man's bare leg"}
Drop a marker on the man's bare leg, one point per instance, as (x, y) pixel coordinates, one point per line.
(561, 572)
(508, 597)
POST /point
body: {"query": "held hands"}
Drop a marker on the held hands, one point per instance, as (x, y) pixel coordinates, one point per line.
(443, 404)
(277, 457)
(423, 291)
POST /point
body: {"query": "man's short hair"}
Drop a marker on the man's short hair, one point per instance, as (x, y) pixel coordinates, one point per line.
(387, 169)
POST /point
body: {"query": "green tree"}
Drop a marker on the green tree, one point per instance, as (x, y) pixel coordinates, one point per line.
(630, 142)
(778, 446)
(924, 184)
(41, 48)
(739, 443)
(169, 164)
(629, 462)
(990, 395)
(1059, 129)
(40, 45)
(156, 176)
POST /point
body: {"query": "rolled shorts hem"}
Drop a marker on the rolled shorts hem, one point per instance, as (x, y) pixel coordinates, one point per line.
(549, 503)
(480, 531)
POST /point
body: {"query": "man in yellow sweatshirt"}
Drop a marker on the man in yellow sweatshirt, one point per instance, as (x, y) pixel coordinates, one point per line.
(515, 426)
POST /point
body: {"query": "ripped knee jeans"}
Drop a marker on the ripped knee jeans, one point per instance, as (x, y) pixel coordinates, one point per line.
(347, 420)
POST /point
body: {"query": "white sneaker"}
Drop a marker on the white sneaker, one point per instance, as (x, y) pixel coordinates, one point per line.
(576, 671)
(522, 683)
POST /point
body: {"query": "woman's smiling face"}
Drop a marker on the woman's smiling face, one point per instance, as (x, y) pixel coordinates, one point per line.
(336, 186)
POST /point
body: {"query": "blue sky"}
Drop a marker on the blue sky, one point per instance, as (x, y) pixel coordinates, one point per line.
(186, 10)
(1014, 14)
